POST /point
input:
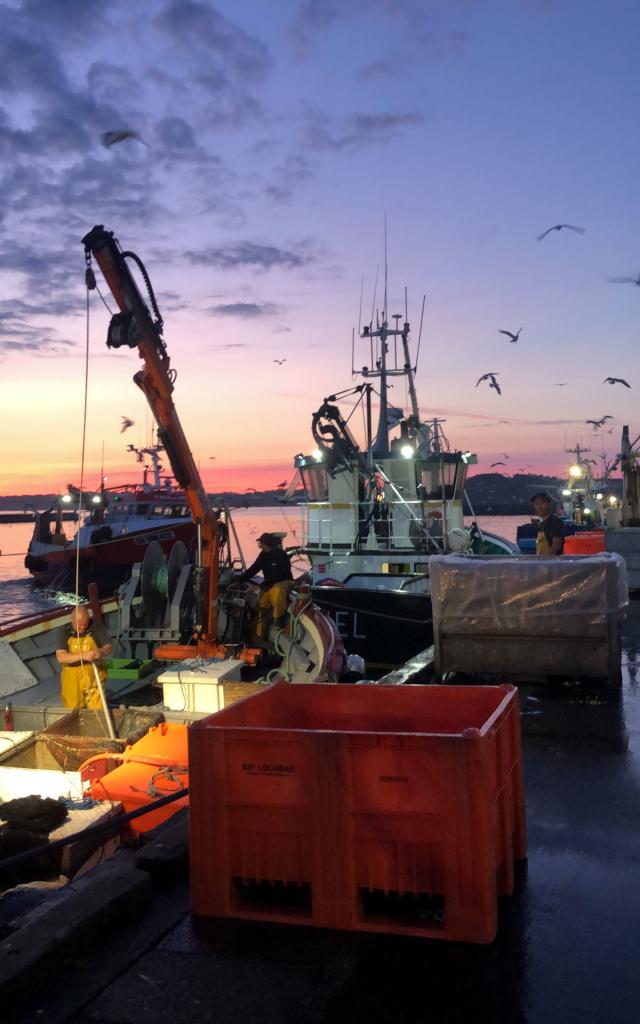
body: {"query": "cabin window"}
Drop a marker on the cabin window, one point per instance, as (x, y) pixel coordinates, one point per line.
(395, 568)
(314, 481)
(421, 567)
(157, 510)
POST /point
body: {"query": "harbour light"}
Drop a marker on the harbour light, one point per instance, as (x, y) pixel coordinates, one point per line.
(599, 497)
(566, 493)
(96, 499)
(613, 500)
(66, 498)
(575, 471)
(317, 454)
(407, 451)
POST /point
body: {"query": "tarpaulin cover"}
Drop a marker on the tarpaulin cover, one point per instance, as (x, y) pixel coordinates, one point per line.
(492, 595)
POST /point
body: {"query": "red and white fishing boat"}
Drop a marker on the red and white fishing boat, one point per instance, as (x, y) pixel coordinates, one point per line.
(116, 526)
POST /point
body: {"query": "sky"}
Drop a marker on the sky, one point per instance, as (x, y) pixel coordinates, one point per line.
(275, 138)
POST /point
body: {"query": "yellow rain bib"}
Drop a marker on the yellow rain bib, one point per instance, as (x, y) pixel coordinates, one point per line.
(78, 682)
(543, 548)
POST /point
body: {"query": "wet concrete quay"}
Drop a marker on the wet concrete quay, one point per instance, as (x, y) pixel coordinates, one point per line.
(566, 943)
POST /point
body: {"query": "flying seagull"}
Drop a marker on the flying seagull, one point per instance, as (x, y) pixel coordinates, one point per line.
(212, 458)
(112, 138)
(491, 377)
(126, 423)
(513, 338)
(283, 483)
(625, 280)
(498, 464)
(616, 380)
(562, 384)
(250, 490)
(279, 361)
(559, 227)
(599, 423)
(505, 456)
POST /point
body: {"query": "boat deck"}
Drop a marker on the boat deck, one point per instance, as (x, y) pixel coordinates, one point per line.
(566, 944)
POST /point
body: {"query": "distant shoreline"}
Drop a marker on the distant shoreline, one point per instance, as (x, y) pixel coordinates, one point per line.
(489, 493)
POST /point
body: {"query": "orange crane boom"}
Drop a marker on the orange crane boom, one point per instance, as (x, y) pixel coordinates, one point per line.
(135, 327)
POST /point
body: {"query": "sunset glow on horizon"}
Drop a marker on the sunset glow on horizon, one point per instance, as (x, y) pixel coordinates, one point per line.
(276, 139)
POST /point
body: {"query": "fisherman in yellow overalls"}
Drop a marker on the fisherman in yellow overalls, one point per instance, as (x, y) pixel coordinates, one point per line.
(275, 567)
(78, 686)
(551, 531)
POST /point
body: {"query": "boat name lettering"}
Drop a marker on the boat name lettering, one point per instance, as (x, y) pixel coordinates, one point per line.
(392, 778)
(347, 623)
(269, 769)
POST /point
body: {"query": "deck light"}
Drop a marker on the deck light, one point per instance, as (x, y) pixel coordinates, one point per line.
(317, 454)
(566, 492)
(599, 497)
(575, 471)
(66, 498)
(407, 451)
(96, 499)
(613, 500)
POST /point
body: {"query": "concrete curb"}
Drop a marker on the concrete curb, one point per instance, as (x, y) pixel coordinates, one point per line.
(108, 893)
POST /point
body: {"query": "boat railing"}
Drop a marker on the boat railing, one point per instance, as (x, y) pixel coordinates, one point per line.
(402, 525)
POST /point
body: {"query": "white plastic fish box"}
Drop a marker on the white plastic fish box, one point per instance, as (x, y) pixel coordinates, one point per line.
(201, 689)
(528, 619)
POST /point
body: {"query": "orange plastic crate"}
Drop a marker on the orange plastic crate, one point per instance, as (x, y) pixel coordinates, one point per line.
(135, 785)
(165, 743)
(586, 543)
(154, 766)
(377, 808)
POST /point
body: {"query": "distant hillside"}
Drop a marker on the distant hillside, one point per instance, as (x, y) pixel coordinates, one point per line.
(496, 494)
(489, 493)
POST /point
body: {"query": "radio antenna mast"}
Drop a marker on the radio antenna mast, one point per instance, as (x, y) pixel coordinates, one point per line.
(386, 268)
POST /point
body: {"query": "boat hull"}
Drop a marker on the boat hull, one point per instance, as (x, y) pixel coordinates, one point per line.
(108, 563)
(386, 627)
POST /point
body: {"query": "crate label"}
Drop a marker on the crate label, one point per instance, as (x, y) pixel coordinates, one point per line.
(269, 769)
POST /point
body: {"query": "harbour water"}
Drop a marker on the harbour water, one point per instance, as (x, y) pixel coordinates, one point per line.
(18, 596)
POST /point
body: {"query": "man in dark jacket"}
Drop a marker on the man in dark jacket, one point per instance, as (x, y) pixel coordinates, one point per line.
(275, 567)
(551, 531)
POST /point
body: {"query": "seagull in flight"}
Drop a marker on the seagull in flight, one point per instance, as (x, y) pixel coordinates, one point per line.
(625, 280)
(282, 484)
(279, 361)
(250, 490)
(505, 456)
(523, 469)
(599, 423)
(126, 423)
(562, 384)
(109, 139)
(212, 458)
(498, 464)
(491, 377)
(559, 227)
(513, 338)
(616, 380)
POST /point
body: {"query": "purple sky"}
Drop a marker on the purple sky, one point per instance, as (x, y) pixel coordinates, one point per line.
(277, 137)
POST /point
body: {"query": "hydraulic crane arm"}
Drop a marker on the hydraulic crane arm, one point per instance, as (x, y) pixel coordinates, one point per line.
(134, 327)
